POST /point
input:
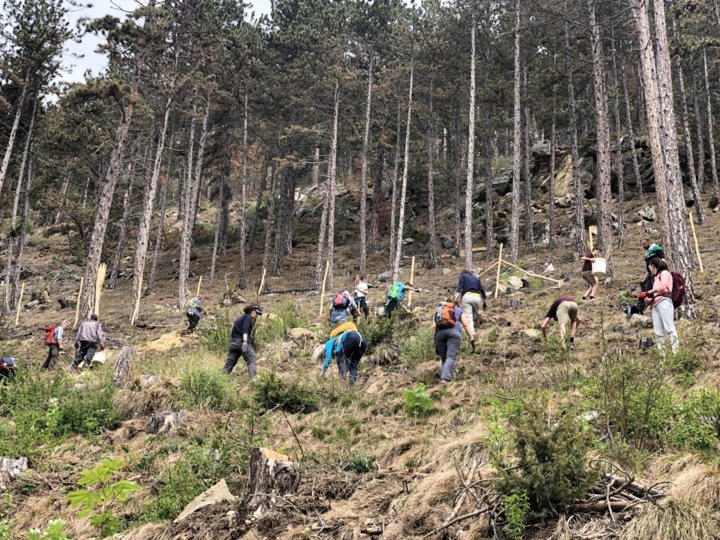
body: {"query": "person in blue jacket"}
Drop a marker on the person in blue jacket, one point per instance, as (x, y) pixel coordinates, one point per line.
(347, 348)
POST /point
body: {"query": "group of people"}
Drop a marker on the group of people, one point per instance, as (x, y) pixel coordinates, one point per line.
(88, 340)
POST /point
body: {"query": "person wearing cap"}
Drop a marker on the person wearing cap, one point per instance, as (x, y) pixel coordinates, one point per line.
(241, 344)
(565, 311)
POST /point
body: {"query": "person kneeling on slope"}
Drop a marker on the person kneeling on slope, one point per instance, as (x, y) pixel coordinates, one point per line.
(242, 341)
(347, 348)
(564, 310)
(447, 328)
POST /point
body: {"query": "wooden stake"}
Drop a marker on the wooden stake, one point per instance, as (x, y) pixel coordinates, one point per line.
(497, 277)
(558, 282)
(19, 306)
(102, 269)
(481, 274)
(198, 288)
(592, 229)
(136, 311)
(412, 277)
(322, 291)
(697, 248)
(260, 288)
(77, 304)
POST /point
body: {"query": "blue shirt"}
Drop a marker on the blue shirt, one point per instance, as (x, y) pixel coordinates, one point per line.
(333, 347)
(470, 283)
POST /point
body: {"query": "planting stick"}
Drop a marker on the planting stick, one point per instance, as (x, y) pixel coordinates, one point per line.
(19, 306)
(558, 282)
(487, 269)
(322, 291)
(136, 311)
(77, 304)
(497, 277)
(260, 288)
(198, 288)
(412, 277)
(697, 248)
(102, 269)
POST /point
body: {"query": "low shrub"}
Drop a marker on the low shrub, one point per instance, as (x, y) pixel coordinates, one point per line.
(417, 402)
(274, 326)
(696, 422)
(270, 391)
(359, 463)
(418, 347)
(87, 412)
(379, 330)
(216, 338)
(202, 387)
(516, 507)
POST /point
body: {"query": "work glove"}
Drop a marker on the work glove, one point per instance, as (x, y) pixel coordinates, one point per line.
(484, 305)
(472, 344)
(102, 346)
(244, 346)
(77, 345)
(643, 295)
(323, 372)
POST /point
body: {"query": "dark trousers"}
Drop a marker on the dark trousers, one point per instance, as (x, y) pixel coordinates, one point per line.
(193, 320)
(447, 345)
(390, 306)
(234, 354)
(353, 350)
(85, 352)
(362, 305)
(53, 354)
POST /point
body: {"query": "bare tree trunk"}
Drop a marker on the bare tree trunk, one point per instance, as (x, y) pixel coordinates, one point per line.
(161, 226)
(527, 184)
(688, 143)
(406, 166)
(470, 154)
(604, 170)
(243, 193)
(97, 239)
(270, 223)
(490, 153)
(619, 162)
(315, 167)
(112, 282)
(322, 232)
(711, 131)
(377, 200)
(578, 190)
(517, 141)
(184, 213)
(23, 163)
(258, 203)
(552, 228)
(331, 187)
(432, 247)
(13, 129)
(363, 173)
(393, 199)
(461, 148)
(283, 222)
(631, 133)
(15, 269)
(698, 131)
(63, 194)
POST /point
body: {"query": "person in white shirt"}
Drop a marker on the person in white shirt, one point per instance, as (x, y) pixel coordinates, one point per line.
(361, 294)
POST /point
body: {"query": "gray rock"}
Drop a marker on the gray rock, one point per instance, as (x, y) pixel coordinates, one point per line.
(648, 213)
(407, 241)
(385, 276)
(448, 243)
(164, 421)
(549, 269)
(11, 468)
(515, 283)
(641, 321)
(446, 271)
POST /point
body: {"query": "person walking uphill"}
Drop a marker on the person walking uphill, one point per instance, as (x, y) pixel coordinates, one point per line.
(565, 311)
(447, 328)
(194, 311)
(342, 307)
(347, 348)
(242, 341)
(396, 294)
(361, 295)
(471, 295)
(587, 274)
(89, 338)
(54, 342)
(660, 297)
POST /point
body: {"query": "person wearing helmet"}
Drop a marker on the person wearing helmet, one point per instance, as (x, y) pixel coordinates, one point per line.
(241, 344)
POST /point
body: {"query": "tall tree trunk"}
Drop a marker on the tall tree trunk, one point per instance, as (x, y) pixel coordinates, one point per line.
(363, 173)
(619, 162)
(631, 134)
(527, 184)
(97, 238)
(149, 195)
(13, 271)
(243, 193)
(698, 131)
(14, 128)
(688, 143)
(23, 162)
(265, 169)
(322, 232)
(270, 222)
(184, 213)
(393, 198)
(432, 247)
(63, 194)
(160, 227)
(377, 199)
(112, 282)
(578, 190)
(406, 166)
(490, 153)
(517, 142)
(460, 149)
(552, 228)
(283, 222)
(711, 131)
(470, 154)
(315, 167)
(331, 187)
(604, 169)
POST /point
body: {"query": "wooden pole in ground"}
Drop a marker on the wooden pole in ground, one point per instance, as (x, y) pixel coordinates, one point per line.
(532, 274)
(590, 236)
(19, 306)
(102, 269)
(322, 291)
(260, 288)
(481, 274)
(412, 277)
(497, 277)
(697, 248)
(136, 310)
(77, 304)
(198, 287)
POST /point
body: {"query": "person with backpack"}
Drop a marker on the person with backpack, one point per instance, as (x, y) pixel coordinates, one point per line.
(241, 344)
(651, 250)
(361, 294)
(396, 294)
(663, 301)
(588, 275)
(472, 295)
(347, 348)
(342, 307)
(89, 338)
(448, 322)
(54, 343)
(194, 311)
(565, 311)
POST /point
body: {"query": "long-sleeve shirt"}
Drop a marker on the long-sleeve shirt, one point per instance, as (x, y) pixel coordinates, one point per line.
(333, 347)
(90, 331)
(662, 287)
(470, 283)
(243, 325)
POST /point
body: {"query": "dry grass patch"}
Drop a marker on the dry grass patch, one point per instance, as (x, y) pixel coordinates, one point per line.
(674, 519)
(699, 485)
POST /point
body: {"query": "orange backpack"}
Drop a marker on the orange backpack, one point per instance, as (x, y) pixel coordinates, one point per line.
(445, 315)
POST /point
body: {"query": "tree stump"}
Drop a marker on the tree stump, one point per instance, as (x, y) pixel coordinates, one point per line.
(121, 375)
(271, 475)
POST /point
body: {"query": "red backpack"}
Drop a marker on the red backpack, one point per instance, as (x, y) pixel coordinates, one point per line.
(340, 302)
(50, 335)
(678, 293)
(445, 315)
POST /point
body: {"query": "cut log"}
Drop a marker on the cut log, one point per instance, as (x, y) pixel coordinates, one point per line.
(271, 475)
(214, 495)
(121, 375)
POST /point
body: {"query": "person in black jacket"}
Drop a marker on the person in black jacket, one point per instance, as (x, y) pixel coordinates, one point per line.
(242, 341)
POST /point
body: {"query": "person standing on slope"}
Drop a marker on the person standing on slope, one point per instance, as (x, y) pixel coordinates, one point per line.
(241, 344)
(471, 295)
(447, 328)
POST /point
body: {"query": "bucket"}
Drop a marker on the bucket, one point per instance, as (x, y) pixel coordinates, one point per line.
(100, 357)
(599, 267)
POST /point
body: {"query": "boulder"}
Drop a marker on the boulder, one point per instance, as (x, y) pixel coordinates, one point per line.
(214, 495)
(641, 321)
(385, 276)
(549, 269)
(164, 421)
(407, 241)
(300, 336)
(446, 271)
(447, 243)
(648, 213)
(531, 333)
(515, 283)
(11, 468)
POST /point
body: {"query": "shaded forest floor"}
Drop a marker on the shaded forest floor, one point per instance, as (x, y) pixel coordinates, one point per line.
(370, 467)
